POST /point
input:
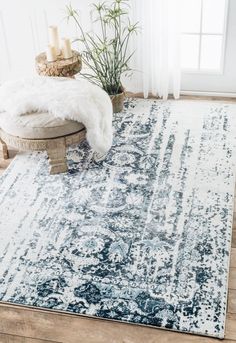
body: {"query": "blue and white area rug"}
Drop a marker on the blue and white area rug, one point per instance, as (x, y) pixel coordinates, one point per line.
(143, 237)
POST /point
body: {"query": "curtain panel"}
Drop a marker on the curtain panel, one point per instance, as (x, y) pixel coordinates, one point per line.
(156, 62)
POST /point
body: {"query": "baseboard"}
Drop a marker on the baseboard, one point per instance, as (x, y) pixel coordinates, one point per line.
(212, 94)
(191, 94)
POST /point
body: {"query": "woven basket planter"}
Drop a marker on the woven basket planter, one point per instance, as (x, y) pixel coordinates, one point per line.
(118, 102)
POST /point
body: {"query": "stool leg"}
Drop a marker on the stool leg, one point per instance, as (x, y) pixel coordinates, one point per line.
(3, 150)
(57, 157)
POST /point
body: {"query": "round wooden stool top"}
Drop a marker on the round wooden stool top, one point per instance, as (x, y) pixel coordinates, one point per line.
(61, 67)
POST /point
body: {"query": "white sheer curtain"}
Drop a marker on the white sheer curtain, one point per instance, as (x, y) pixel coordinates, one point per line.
(157, 58)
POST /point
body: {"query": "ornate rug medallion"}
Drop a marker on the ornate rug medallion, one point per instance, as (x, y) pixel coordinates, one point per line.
(142, 237)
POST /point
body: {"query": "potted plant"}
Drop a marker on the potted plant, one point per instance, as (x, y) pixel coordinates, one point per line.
(105, 53)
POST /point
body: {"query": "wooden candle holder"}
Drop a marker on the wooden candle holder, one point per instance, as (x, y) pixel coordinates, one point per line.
(61, 67)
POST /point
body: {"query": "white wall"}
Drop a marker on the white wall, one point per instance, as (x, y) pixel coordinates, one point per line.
(24, 31)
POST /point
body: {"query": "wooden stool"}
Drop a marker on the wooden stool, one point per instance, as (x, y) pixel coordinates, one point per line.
(41, 131)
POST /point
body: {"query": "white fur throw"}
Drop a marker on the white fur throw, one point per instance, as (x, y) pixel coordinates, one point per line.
(65, 98)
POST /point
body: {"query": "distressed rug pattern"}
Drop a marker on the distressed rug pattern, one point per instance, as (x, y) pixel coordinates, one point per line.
(142, 237)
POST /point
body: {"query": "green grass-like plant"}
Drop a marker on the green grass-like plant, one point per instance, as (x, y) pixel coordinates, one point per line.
(106, 53)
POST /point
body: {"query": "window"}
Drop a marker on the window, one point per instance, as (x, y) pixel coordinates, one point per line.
(203, 27)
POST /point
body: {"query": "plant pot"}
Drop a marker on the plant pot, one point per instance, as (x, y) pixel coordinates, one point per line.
(118, 102)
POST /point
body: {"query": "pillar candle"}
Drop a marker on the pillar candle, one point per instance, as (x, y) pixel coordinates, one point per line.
(66, 48)
(54, 38)
(51, 53)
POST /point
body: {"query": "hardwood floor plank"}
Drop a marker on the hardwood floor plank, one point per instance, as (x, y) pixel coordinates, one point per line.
(65, 328)
(232, 301)
(234, 217)
(231, 327)
(233, 258)
(5, 163)
(18, 339)
(233, 243)
(232, 278)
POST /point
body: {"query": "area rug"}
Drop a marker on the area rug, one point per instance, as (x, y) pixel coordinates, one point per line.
(142, 237)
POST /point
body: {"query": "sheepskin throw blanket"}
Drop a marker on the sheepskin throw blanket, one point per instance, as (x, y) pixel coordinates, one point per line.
(65, 98)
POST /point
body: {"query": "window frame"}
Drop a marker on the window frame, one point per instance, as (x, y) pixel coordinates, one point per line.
(219, 71)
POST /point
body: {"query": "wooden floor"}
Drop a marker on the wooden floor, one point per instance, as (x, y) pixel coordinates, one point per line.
(25, 325)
